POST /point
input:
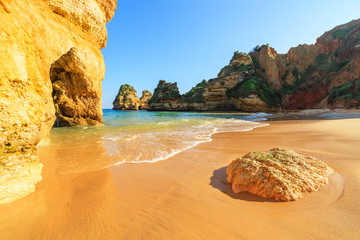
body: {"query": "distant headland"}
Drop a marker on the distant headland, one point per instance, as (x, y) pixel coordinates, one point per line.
(323, 75)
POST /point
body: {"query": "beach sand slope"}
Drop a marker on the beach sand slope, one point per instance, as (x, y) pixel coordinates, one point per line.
(187, 197)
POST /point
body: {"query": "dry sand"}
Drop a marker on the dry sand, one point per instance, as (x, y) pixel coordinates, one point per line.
(186, 196)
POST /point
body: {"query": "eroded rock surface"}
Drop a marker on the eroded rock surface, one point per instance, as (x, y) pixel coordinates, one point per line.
(51, 65)
(144, 100)
(76, 96)
(237, 87)
(278, 173)
(127, 99)
(322, 75)
(166, 97)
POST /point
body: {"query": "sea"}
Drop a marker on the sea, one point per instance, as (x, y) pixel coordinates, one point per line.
(143, 136)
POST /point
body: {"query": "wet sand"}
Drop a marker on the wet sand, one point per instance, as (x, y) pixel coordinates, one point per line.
(186, 196)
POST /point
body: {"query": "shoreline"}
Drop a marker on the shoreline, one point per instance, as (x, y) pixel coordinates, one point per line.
(187, 196)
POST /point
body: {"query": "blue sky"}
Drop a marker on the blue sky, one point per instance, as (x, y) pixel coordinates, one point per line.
(185, 41)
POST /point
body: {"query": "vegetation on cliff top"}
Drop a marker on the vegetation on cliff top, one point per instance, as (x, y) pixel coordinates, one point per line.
(240, 68)
(126, 89)
(165, 91)
(342, 33)
(196, 93)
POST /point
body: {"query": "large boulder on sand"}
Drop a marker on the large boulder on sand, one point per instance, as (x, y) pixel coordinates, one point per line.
(278, 173)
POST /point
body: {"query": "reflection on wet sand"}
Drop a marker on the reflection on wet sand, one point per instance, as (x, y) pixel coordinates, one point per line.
(72, 200)
(186, 196)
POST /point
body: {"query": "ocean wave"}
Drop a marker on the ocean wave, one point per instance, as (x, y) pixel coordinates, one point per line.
(154, 145)
(144, 137)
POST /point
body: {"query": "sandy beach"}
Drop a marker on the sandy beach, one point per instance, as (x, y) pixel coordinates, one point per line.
(187, 197)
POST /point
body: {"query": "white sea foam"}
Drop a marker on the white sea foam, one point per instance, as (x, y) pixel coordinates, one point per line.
(152, 145)
(144, 137)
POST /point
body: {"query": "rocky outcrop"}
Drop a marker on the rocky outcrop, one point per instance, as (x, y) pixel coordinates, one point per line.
(166, 97)
(144, 100)
(76, 82)
(322, 75)
(127, 99)
(51, 69)
(280, 174)
(316, 76)
(237, 88)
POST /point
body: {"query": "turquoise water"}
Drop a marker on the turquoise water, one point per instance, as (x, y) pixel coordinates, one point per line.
(141, 136)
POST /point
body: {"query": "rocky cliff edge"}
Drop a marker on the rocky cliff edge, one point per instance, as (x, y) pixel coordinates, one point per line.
(323, 75)
(51, 70)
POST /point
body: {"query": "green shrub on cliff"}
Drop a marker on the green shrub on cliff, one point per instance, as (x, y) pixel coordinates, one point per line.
(242, 68)
(165, 91)
(342, 33)
(300, 79)
(324, 62)
(347, 91)
(126, 89)
(196, 93)
(254, 86)
(237, 68)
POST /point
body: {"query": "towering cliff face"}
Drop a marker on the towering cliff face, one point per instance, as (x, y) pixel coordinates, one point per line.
(127, 99)
(237, 87)
(51, 68)
(323, 75)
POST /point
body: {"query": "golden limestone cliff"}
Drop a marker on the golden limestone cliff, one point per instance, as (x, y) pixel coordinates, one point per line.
(51, 70)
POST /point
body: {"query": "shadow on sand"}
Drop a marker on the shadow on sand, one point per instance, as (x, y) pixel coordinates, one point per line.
(218, 181)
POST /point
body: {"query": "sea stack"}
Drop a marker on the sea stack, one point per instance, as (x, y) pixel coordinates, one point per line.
(127, 99)
(144, 100)
(51, 69)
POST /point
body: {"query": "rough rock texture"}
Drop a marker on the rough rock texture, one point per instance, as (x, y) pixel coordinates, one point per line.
(319, 75)
(51, 64)
(323, 75)
(237, 87)
(279, 173)
(127, 99)
(76, 96)
(166, 97)
(144, 100)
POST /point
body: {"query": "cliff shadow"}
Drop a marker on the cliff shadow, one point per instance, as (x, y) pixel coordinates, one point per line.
(218, 181)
